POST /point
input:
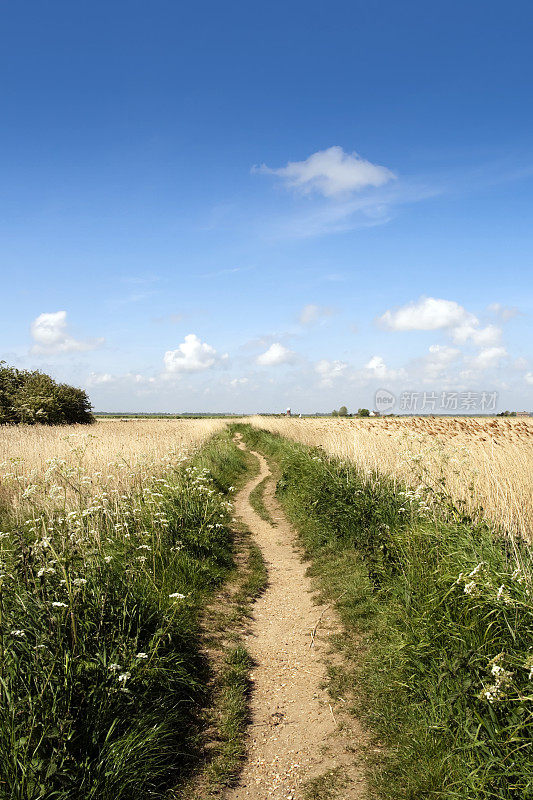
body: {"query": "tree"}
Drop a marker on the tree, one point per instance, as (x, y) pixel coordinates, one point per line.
(334, 413)
(363, 412)
(343, 411)
(34, 397)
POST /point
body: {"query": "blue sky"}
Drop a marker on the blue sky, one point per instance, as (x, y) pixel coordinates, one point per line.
(245, 206)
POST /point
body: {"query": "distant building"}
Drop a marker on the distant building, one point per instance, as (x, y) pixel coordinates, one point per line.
(288, 412)
(523, 413)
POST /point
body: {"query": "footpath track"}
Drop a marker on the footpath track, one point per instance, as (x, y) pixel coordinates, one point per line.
(294, 735)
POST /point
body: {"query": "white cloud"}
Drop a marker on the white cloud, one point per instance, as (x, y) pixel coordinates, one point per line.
(192, 355)
(115, 381)
(427, 314)
(376, 368)
(99, 378)
(329, 370)
(235, 382)
(439, 359)
(50, 333)
(488, 357)
(331, 172)
(528, 377)
(483, 337)
(312, 313)
(276, 354)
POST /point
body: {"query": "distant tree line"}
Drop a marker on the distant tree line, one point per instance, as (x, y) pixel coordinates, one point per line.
(343, 412)
(34, 397)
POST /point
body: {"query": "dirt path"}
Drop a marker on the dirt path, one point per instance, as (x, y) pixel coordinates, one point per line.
(294, 732)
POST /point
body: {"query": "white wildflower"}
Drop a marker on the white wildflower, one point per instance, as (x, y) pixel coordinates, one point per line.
(58, 604)
(177, 596)
(141, 655)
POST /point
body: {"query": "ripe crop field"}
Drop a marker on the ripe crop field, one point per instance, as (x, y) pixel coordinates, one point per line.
(117, 538)
(49, 467)
(112, 537)
(481, 467)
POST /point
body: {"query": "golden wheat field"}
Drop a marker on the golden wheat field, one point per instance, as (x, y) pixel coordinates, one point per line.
(484, 466)
(54, 466)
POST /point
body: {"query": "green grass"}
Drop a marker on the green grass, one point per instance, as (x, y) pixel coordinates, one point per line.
(258, 503)
(102, 671)
(436, 615)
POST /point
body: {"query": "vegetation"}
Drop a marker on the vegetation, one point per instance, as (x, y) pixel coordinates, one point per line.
(443, 674)
(102, 673)
(476, 468)
(258, 504)
(58, 468)
(33, 397)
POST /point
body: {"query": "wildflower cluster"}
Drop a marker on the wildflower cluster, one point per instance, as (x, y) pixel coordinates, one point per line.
(99, 608)
(502, 681)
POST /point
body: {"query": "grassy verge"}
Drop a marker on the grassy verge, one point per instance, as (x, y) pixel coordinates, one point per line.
(102, 671)
(439, 628)
(257, 501)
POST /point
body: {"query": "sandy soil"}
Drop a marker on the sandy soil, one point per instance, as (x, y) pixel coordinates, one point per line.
(295, 733)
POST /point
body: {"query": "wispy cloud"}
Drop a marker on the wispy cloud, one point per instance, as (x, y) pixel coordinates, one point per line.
(330, 173)
(311, 314)
(228, 271)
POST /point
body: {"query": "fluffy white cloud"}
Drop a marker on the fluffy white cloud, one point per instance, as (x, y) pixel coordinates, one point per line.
(332, 172)
(376, 368)
(528, 377)
(329, 370)
(431, 313)
(427, 314)
(488, 357)
(482, 337)
(312, 313)
(50, 334)
(100, 378)
(276, 354)
(192, 355)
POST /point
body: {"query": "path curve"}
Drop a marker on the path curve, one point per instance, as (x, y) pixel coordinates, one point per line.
(294, 733)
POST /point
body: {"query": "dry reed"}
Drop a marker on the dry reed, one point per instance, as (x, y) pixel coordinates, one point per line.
(483, 467)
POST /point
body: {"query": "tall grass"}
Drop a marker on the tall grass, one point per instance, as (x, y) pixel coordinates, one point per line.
(480, 468)
(443, 674)
(63, 467)
(101, 671)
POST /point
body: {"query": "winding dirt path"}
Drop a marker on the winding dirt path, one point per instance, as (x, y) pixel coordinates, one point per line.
(294, 732)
